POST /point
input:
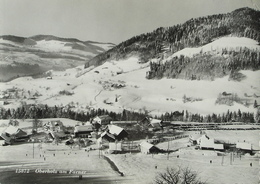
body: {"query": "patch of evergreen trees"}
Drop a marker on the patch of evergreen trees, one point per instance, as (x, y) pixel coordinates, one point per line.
(207, 65)
(44, 111)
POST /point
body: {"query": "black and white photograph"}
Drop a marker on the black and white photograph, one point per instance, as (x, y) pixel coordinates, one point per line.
(129, 91)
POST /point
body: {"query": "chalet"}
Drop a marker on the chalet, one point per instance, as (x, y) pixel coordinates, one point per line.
(147, 148)
(12, 134)
(117, 131)
(106, 137)
(151, 124)
(155, 124)
(83, 131)
(102, 120)
(209, 143)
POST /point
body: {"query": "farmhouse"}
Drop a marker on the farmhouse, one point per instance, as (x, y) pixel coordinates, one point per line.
(209, 143)
(151, 124)
(83, 131)
(155, 124)
(102, 120)
(117, 131)
(148, 148)
(12, 134)
(106, 137)
(113, 133)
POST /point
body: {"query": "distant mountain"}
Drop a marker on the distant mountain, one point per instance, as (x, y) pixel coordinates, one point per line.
(22, 56)
(162, 43)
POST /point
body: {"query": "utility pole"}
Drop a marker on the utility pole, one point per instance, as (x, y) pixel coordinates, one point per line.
(33, 148)
(168, 151)
(231, 158)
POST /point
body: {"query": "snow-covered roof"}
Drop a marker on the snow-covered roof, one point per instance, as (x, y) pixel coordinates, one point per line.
(195, 136)
(206, 142)
(146, 145)
(5, 137)
(11, 130)
(218, 146)
(115, 130)
(108, 134)
(83, 128)
(152, 121)
(244, 145)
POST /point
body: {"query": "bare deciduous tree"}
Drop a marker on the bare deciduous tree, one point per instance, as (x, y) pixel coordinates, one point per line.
(178, 176)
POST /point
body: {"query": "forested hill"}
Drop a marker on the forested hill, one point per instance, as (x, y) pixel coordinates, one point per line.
(244, 22)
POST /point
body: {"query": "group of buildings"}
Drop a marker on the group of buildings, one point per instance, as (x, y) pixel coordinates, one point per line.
(113, 135)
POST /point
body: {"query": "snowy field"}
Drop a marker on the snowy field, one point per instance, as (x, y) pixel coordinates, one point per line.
(94, 87)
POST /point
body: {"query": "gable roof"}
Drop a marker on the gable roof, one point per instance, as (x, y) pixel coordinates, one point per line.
(113, 129)
(12, 130)
(83, 128)
(104, 117)
(146, 145)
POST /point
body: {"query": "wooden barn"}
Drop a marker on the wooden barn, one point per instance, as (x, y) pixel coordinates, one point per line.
(12, 134)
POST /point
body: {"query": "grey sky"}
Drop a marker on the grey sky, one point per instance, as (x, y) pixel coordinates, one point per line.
(104, 20)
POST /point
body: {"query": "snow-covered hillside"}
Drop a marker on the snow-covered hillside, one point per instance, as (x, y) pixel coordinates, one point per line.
(42, 53)
(118, 85)
(234, 43)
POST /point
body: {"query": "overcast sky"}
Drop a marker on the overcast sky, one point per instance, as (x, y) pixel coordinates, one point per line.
(105, 20)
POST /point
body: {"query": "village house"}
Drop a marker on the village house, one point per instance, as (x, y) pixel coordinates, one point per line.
(151, 124)
(101, 121)
(55, 129)
(12, 134)
(117, 131)
(113, 133)
(207, 143)
(147, 148)
(83, 131)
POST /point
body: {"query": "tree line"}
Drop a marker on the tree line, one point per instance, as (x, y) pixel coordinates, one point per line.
(207, 65)
(45, 111)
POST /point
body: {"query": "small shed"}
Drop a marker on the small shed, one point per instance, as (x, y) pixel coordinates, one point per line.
(147, 148)
(115, 147)
(244, 147)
